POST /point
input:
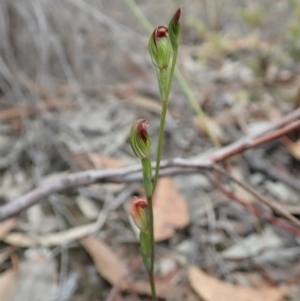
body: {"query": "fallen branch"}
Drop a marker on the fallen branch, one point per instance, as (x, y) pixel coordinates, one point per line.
(254, 210)
(168, 167)
(267, 201)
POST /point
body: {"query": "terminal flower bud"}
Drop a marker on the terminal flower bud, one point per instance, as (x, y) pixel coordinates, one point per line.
(140, 140)
(174, 28)
(138, 214)
(160, 47)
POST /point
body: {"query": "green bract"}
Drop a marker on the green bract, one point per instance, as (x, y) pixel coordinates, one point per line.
(174, 28)
(160, 47)
(140, 140)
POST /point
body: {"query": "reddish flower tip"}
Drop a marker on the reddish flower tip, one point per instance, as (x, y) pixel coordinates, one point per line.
(159, 32)
(142, 130)
(137, 205)
(177, 15)
(138, 214)
(140, 140)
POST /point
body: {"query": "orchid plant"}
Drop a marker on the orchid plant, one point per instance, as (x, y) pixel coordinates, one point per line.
(163, 49)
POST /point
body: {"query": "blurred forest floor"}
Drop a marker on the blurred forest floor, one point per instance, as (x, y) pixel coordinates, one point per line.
(74, 76)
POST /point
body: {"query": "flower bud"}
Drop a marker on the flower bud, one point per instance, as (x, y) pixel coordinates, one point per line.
(138, 214)
(140, 140)
(160, 47)
(174, 28)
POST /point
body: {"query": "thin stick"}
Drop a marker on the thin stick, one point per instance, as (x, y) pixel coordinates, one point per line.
(269, 202)
(274, 220)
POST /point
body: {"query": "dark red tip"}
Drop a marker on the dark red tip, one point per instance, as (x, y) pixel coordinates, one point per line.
(142, 130)
(160, 32)
(139, 203)
(177, 15)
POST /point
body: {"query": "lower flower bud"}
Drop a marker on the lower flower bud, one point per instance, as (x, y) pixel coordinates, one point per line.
(140, 140)
(138, 213)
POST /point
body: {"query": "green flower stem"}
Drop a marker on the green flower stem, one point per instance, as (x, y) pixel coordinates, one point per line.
(165, 83)
(162, 78)
(151, 229)
(147, 176)
(145, 248)
(165, 99)
(148, 260)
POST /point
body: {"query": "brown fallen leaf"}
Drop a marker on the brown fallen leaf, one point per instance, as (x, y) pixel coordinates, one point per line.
(7, 281)
(212, 289)
(293, 147)
(170, 210)
(6, 226)
(163, 290)
(109, 266)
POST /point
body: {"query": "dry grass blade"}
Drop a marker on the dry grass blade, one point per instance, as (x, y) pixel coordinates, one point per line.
(53, 239)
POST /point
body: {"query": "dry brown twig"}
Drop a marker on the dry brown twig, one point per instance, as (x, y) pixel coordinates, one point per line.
(254, 210)
(169, 167)
(270, 203)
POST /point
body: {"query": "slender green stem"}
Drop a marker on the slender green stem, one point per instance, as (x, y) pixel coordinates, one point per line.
(165, 87)
(151, 228)
(147, 176)
(165, 100)
(147, 171)
(172, 72)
